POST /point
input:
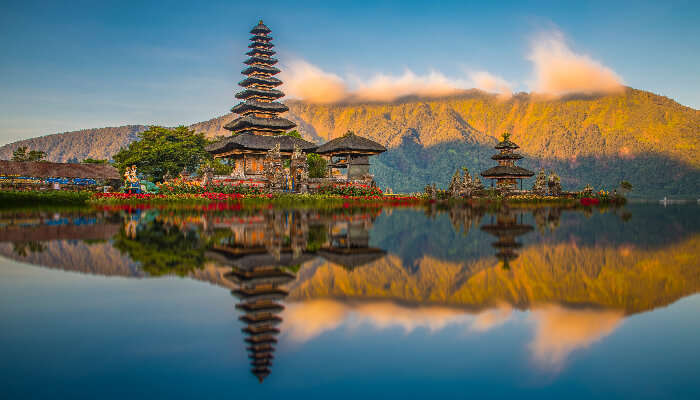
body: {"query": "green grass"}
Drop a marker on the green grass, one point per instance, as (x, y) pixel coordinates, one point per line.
(16, 199)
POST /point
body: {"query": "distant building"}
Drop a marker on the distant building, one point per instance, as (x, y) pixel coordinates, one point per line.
(506, 173)
(350, 152)
(50, 175)
(259, 128)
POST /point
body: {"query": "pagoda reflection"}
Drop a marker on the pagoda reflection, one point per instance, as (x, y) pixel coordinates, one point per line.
(348, 244)
(507, 228)
(264, 253)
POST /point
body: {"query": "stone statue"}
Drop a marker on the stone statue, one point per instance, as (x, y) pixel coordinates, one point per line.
(131, 180)
(540, 186)
(456, 188)
(476, 184)
(554, 184)
(273, 168)
(299, 170)
(207, 174)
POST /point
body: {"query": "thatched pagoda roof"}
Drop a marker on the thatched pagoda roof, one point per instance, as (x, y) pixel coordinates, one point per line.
(264, 45)
(260, 80)
(263, 106)
(353, 143)
(264, 52)
(506, 156)
(260, 60)
(501, 171)
(260, 142)
(506, 144)
(260, 28)
(252, 91)
(42, 169)
(261, 69)
(250, 122)
(260, 38)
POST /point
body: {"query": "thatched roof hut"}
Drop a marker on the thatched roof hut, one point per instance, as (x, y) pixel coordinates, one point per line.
(41, 169)
(351, 143)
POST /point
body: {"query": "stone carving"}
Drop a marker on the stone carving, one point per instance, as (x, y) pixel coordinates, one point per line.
(273, 170)
(464, 185)
(207, 174)
(540, 185)
(554, 184)
(456, 186)
(299, 170)
(431, 191)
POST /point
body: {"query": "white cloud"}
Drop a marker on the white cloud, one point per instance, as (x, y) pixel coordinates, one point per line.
(558, 70)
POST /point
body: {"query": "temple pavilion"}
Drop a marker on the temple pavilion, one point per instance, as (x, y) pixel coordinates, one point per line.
(506, 173)
(258, 128)
(350, 152)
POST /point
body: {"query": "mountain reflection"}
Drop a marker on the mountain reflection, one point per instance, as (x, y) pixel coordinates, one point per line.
(298, 274)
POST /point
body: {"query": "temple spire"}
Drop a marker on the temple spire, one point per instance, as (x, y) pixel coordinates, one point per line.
(259, 111)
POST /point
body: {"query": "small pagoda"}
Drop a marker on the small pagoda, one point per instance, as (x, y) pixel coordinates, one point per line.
(350, 152)
(506, 173)
(258, 127)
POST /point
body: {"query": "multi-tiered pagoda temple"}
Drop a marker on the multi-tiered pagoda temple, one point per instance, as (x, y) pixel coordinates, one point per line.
(506, 173)
(258, 128)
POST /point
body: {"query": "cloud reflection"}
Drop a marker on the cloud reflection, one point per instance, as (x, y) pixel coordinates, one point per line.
(558, 331)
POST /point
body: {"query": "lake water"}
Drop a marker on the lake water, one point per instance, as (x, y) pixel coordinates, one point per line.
(374, 303)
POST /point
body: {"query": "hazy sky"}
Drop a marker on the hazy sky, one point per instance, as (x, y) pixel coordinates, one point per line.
(72, 65)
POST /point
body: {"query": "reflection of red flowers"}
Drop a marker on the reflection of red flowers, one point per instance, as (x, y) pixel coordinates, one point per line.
(589, 201)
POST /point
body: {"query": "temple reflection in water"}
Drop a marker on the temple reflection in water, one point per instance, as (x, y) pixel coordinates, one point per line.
(407, 268)
(265, 251)
(507, 228)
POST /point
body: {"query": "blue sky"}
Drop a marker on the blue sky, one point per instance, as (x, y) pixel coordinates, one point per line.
(73, 65)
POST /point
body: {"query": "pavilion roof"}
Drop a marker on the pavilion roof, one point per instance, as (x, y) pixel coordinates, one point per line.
(260, 142)
(250, 121)
(351, 142)
(501, 171)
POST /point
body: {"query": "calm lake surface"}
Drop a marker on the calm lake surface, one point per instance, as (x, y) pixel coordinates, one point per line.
(377, 303)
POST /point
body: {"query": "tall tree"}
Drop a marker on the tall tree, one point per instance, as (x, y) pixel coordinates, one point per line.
(163, 151)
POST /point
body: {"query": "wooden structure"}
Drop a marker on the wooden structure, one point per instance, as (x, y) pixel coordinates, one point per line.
(42, 174)
(350, 152)
(506, 173)
(258, 128)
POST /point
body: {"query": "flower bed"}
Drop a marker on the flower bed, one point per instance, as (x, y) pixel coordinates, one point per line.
(349, 189)
(228, 186)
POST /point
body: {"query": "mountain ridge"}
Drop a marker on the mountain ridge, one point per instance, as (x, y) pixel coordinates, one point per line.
(647, 139)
